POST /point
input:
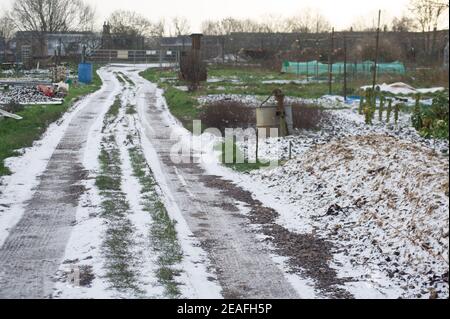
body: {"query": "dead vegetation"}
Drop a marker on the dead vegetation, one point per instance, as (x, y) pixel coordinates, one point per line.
(228, 114)
(383, 199)
(307, 116)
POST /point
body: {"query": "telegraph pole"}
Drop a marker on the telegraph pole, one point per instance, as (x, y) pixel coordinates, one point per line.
(376, 52)
(330, 63)
(345, 68)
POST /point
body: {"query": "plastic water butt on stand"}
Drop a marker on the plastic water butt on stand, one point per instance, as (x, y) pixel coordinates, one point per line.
(85, 73)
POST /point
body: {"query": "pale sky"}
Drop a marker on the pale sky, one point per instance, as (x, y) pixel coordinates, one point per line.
(341, 13)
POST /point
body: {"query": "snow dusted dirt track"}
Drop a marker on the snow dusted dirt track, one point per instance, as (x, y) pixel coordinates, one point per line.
(53, 218)
(32, 252)
(244, 265)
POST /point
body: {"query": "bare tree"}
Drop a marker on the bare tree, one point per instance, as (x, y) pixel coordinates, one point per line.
(273, 24)
(87, 18)
(249, 25)
(129, 23)
(7, 30)
(403, 24)
(210, 27)
(159, 28)
(52, 15)
(180, 26)
(230, 25)
(308, 21)
(428, 14)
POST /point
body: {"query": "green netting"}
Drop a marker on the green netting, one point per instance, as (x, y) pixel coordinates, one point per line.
(317, 68)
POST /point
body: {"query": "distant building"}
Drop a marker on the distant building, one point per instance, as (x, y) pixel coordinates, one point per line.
(2, 48)
(446, 62)
(179, 43)
(42, 45)
(6, 50)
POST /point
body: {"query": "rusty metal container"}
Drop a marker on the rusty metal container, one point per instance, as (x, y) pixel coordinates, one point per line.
(266, 117)
(196, 41)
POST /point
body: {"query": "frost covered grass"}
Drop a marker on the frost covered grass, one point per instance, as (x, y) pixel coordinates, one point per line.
(162, 230)
(113, 112)
(383, 201)
(114, 208)
(246, 166)
(118, 238)
(130, 109)
(18, 134)
(186, 107)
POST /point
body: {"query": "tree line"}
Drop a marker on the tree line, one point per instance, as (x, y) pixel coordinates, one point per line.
(77, 15)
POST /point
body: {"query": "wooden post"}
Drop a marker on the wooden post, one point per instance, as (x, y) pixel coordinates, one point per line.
(290, 149)
(345, 68)
(223, 49)
(330, 64)
(376, 52)
(307, 71)
(317, 69)
(257, 144)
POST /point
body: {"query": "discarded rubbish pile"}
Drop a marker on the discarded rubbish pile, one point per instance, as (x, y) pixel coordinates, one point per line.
(41, 94)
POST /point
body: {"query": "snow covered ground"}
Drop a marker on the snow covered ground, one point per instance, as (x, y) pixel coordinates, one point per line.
(379, 193)
(339, 124)
(84, 255)
(382, 200)
(404, 89)
(16, 189)
(85, 250)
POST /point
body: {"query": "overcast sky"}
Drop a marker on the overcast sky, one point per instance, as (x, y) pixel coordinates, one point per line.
(341, 13)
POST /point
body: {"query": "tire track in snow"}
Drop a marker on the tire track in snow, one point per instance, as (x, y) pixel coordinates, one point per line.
(245, 268)
(32, 253)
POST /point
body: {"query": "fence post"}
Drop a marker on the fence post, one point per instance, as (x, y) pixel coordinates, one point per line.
(330, 65)
(376, 52)
(345, 68)
(290, 149)
(317, 70)
(307, 71)
(257, 144)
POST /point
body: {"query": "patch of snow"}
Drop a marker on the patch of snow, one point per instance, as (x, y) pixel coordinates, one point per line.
(396, 243)
(225, 79)
(328, 101)
(194, 263)
(86, 236)
(17, 188)
(381, 200)
(402, 88)
(183, 88)
(304, 81)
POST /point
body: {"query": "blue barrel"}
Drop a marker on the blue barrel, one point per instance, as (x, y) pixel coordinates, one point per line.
(85, 73)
